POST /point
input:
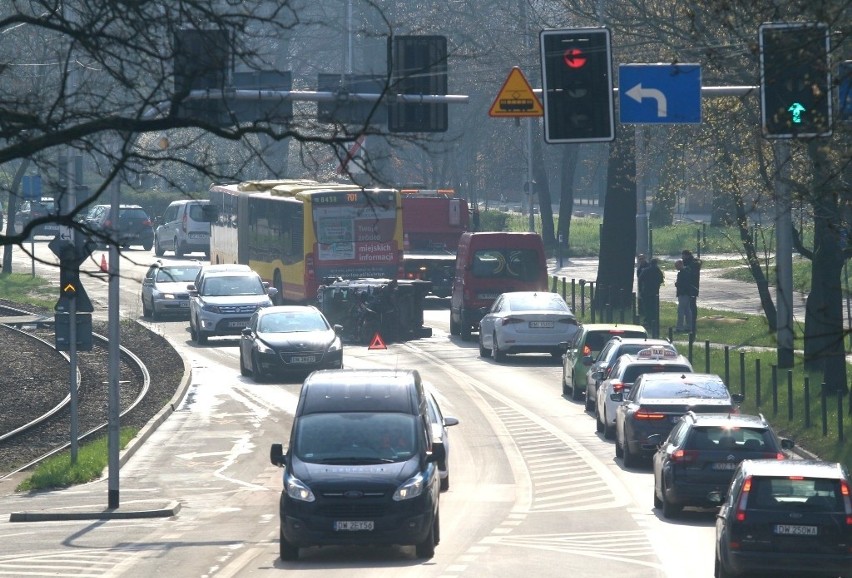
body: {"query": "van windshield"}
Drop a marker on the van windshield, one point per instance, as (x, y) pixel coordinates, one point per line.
(523, 264)
(355, 438)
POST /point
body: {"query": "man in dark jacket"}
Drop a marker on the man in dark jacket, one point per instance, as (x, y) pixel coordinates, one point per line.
(650, 281)
(693, 267)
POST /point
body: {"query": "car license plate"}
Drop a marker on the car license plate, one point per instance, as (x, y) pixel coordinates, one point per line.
(724, 466)
(790, 530)
(353, 526)
(237, 323)
(304, 359)
(541, 324)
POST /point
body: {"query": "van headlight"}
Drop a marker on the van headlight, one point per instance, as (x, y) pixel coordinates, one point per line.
(410, 489)
(298, 490)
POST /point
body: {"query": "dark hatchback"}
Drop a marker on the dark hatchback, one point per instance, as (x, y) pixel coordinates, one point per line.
(134, 225)
(786, 518)
(289, 338)
(656, 403)
(694, 465)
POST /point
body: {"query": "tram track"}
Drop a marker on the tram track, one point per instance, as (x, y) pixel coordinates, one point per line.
(36, 420)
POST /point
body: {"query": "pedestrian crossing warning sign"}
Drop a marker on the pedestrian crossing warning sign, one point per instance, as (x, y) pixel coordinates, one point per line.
(377, 342)
(516, 98)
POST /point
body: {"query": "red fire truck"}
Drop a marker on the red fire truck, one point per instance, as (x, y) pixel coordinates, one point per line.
(433, 220)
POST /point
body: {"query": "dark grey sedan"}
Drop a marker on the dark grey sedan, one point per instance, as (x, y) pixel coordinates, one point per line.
(289, 339)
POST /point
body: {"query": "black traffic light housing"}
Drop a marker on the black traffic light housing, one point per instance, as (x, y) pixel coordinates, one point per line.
(576, 72)
(795, 80)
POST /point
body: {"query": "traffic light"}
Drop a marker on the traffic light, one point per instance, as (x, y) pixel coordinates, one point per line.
(795, 80)
(576, 67)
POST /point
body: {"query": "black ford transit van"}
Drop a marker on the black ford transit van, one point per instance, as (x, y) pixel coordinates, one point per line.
(361, 465)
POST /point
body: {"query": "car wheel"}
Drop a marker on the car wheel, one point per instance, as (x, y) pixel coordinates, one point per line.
(445, 483)
(256, 370)
(619, 450)
(179, 250)
(202, 337)
(244, 371)
(454, 325)
(599, 425)
(146, 313)
(719, 570)
(628, 457)
(590, 401)
(499, 356)
(608, 429)
(465, 332)
(426, 548)
(193, 334)
(670, 509)
(658, 503)
(158, 249)
(286, 550)
(147, 245)
(154, 315)
(575, 391)
(483, 351)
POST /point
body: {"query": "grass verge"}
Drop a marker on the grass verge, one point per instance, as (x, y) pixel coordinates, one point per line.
(59, 472)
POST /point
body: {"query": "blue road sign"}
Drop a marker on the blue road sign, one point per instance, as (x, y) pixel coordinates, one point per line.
(659, 93)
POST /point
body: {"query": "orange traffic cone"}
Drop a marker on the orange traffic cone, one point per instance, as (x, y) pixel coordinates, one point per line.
(104, 266)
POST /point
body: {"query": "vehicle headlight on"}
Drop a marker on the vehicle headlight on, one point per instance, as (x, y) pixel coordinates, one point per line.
(336, 345)
(298, 490)
(410, 489)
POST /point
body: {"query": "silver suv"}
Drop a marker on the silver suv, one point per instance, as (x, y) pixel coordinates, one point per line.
(184, 228)
(223, 302)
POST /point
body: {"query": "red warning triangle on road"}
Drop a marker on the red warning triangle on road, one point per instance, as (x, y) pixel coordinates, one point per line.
(377, 342)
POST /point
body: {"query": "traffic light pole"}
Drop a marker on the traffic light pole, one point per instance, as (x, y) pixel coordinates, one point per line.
(72, 380)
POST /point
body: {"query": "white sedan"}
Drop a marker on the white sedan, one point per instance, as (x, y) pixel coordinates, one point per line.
(526, 322)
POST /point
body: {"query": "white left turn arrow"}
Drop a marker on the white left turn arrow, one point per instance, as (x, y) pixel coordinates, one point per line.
(637, 93)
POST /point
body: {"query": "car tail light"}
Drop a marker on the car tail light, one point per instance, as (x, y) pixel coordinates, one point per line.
(683, 456)
(847, 500)
(183, 223)
(147, 223)
(568, 321)
(774, 456)
(107, 223)
(644, 414)
(512, 320)
(617, 386)
(743, 501)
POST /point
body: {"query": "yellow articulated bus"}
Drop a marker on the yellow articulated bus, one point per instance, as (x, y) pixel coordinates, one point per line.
(300, 234)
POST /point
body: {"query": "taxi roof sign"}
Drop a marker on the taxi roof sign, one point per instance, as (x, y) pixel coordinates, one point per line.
(516, 98)
(657, 353)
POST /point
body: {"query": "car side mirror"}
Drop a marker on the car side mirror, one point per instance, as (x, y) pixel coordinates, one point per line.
(787, 444)
(597, 375)
(587, 360)
(271, 291)
(338, 329)
(737, 398)
(246, 331)
(563, 346)
(449, 421)
(277, 455)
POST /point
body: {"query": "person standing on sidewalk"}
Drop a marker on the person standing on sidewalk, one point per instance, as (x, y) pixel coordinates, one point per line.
(693, 265)
(684, 305)
(650, 281)
(641, 265)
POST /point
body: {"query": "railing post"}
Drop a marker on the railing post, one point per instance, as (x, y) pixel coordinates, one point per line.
(790, 395)
(840, 416)
(707, 356)
(727, 366)
(742, 373)
(774, 375)
(807, 401)
(824, 406)
(757, 382)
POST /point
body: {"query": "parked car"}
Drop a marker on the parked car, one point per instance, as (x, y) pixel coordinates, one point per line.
(224, 302)
(440, 423)
(580, 352)
(694, 464)
(134, 226)
(656, 402)
(164, 289)
(786, 518)
(360, 467)
(627, 369)
(30, 210)
(617, 346)
(526, 322)
(185, 228)
(289, 339)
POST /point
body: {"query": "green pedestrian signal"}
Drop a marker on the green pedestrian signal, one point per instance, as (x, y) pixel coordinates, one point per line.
(796, 111)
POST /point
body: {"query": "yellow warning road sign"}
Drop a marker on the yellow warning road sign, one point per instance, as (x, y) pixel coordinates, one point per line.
(516, 98)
